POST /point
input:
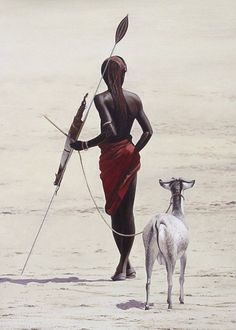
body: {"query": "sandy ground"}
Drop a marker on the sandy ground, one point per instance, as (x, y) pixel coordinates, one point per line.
(181, 58)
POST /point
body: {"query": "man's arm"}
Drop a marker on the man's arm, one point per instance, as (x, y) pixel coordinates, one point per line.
(107, 127)
(146, 128)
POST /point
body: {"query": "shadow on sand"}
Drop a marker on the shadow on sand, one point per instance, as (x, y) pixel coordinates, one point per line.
(131, 304)
(25, 281)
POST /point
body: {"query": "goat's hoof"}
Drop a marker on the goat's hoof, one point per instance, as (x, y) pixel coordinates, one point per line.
(147, 307)
(181, 300)
(169, 306)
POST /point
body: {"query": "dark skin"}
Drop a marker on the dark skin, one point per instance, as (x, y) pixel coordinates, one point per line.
(123, 219)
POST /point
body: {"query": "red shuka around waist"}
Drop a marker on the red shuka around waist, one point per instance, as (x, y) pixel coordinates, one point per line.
(119, 162)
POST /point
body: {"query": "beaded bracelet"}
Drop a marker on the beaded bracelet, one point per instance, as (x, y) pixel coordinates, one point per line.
(106, 123)
(85, 145)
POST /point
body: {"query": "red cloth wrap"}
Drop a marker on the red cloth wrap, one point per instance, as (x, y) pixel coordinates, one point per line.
(119, 162)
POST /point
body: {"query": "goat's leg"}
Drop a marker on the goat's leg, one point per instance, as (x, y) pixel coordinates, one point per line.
(170, 270)
(183, 261)
(150, 259)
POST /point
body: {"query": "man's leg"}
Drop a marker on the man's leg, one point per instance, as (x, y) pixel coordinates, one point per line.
(123, 222)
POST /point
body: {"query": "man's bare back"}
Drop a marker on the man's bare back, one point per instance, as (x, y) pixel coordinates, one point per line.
(105, 105)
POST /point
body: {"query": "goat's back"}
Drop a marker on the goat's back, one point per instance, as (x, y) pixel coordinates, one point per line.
(170, 234)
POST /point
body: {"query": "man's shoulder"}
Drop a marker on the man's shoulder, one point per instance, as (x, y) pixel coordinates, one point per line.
(102, 100)
(102, 97)
(132, 96)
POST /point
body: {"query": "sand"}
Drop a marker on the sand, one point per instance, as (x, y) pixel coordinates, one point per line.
(181, 58)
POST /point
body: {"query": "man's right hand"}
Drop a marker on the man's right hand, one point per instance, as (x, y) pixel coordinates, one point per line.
(78, 145)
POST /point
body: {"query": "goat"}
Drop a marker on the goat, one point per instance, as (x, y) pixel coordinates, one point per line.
(165, 237)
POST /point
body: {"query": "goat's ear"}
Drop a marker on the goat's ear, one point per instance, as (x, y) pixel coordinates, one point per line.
(187, 184)
(165, 185)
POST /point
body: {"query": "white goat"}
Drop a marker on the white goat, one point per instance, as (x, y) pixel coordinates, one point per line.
(165, 237)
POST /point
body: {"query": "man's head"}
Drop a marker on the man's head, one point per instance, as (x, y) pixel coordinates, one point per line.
(113, 70)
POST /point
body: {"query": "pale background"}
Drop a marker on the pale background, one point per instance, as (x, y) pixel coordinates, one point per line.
(181, 58)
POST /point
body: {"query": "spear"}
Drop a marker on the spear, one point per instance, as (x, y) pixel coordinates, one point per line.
(120, 33)
(78, 123)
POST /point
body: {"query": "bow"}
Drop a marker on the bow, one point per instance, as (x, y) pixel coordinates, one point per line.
(75, 130)
(72, 135)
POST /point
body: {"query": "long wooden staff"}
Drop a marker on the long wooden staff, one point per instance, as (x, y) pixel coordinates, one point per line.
(75, 130)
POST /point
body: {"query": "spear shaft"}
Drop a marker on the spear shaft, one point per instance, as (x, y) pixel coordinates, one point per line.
(99, 83)
(44, 218)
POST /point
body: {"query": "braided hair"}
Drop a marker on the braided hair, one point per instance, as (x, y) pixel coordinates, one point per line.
(114, 74)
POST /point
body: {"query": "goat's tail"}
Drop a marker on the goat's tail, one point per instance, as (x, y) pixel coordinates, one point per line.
(161, 259)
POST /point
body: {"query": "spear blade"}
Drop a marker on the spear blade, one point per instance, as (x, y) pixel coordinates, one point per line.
(122, 29)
